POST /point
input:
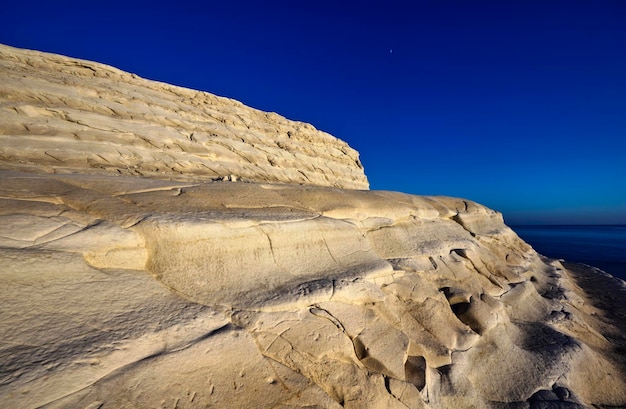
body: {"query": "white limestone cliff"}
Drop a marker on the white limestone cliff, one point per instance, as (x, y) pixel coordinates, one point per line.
(72, 115)
(181, 291)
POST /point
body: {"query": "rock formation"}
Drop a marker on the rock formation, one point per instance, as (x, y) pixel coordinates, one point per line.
(70, 115)
(147, 289)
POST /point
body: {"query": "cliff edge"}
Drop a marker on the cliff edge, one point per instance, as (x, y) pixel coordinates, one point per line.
(148, 290)
(71, 115)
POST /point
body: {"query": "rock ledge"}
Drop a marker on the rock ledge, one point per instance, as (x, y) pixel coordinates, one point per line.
(68, 115)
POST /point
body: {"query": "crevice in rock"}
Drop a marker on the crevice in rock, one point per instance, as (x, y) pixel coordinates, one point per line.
(415, 371)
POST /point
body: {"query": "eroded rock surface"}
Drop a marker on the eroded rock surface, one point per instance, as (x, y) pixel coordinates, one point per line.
(72, 115)
(138, 271)
(135, 292)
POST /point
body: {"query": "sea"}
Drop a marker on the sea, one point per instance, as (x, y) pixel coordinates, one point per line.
(603, 247)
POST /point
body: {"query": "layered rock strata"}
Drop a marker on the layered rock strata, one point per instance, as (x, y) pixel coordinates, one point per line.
(140, 287)
(72, 115)
(132, 292)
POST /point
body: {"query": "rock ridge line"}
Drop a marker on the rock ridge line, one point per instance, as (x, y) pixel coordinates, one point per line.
(68, 115)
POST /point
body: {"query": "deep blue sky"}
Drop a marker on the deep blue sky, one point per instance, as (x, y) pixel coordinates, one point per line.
(519, 105)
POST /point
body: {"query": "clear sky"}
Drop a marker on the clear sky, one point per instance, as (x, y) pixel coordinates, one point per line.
(519, 105)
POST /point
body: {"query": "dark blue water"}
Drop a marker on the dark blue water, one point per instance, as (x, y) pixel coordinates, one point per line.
(599, 246)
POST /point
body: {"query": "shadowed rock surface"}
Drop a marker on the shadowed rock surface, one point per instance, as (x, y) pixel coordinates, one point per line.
(180, 291)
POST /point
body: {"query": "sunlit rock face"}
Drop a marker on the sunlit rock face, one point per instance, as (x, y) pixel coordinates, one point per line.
(69, 115)
(188, 292)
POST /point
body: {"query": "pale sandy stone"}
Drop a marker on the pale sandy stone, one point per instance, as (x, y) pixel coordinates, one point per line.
(195, 288)
(73, 115)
